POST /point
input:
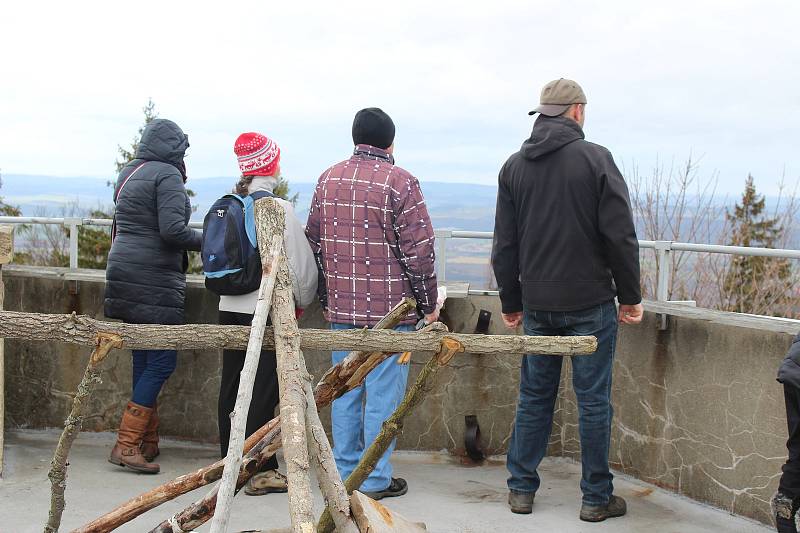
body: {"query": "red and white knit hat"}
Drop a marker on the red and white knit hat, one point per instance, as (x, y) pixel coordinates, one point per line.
(258, 155)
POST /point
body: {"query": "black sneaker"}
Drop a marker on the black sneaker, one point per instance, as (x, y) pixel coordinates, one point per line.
(397, 487)
(597, 513)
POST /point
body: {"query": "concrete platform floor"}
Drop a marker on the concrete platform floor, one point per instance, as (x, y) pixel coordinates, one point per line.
(446, 496)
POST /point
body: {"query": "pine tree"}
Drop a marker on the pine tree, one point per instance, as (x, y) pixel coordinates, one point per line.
(128, 155)
(755, 284)
(282, 191)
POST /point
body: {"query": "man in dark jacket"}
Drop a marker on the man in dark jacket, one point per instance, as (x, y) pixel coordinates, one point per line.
(564, 248)
(145, 276)
(787, 500)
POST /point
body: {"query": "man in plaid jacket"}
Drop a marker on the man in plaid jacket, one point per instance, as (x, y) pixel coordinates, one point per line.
(372, 237)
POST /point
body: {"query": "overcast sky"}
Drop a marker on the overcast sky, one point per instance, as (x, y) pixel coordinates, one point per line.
(718, 79)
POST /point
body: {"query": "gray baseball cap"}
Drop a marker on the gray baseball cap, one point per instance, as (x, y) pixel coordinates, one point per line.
(557, 96)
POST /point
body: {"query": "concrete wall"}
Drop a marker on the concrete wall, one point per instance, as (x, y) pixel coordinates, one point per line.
(41, 378)
(698, 410)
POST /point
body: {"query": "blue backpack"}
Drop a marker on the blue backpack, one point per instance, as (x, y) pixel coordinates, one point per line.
(231, 261)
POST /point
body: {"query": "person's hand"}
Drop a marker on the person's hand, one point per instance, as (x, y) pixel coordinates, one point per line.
(432, 317)
(512, 320)
(630, 314)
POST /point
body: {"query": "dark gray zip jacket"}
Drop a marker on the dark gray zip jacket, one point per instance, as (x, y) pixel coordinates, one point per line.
(564, 237)
(145, 276)
(789, 372)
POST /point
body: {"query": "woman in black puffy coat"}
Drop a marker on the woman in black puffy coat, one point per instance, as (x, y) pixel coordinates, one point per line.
(145, 276)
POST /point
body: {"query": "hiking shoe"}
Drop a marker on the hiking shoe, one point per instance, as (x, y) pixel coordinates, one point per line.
(520, 502)
(265, 483)
(597, 513)
(397, 487)
(785, 512)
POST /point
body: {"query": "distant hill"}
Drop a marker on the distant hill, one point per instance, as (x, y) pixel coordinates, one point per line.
(451, 205)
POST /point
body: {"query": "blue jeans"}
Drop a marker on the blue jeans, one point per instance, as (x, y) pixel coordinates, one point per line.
(356, 417)
(151, 368)
(538, 388)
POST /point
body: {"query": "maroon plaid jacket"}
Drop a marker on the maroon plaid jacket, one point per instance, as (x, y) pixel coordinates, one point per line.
(370, 232)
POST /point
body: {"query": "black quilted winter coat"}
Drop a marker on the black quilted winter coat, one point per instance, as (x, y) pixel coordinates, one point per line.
(145, 276)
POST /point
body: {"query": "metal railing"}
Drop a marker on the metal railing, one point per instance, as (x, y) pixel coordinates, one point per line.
(663, 249)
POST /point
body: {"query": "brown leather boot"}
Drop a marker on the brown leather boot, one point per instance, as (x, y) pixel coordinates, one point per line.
(149, 445)
(126, 451)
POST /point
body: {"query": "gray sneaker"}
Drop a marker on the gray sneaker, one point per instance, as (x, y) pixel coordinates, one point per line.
(520, 502)
(597, 513)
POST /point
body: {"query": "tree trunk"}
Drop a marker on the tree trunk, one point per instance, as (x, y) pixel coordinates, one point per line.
(79, 329)
(233, 460)
(292, 375)
(72, 426)
(394, 424)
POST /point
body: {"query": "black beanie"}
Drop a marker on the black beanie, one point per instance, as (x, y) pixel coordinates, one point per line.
(373, 127)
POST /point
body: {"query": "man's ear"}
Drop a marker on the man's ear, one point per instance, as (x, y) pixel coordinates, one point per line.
(580, 111)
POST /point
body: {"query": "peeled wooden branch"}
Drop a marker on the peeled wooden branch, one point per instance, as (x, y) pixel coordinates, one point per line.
(80, 329)
(394, 424)
(72, 426)
(233, 460)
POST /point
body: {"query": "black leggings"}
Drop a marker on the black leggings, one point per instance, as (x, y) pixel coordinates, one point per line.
(265, 389)
(790, 480)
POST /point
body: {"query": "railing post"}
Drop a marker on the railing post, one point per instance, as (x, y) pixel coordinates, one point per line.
(73, 224)
(441, 254)
(664, 259)
(664, 275)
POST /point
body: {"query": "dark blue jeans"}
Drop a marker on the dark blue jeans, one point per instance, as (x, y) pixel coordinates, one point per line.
(538, 388)
(151, 368)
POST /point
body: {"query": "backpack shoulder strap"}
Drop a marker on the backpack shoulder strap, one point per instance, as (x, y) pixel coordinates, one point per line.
(249, 202)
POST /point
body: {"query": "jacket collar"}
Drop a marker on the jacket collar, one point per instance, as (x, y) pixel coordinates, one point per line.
(372, 152)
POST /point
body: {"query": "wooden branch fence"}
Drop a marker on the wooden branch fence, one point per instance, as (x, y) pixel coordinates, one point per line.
(298, 427)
